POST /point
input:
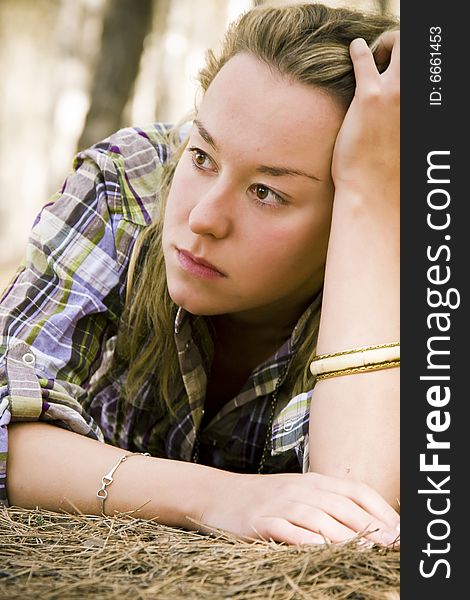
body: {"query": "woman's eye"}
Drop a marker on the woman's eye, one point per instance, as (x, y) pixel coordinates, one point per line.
(262, 192)
(266, 196)
(200, 159)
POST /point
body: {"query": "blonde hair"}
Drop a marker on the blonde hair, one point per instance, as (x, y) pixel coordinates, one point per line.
(306, 43)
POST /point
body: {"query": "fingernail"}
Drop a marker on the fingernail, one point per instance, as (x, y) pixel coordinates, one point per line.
(398, 528)
(365, 544)
(387, 537)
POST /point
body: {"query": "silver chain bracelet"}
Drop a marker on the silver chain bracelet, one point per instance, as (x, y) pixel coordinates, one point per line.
(107, 479)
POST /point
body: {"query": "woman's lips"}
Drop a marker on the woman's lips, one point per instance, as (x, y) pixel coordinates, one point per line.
(197, 266)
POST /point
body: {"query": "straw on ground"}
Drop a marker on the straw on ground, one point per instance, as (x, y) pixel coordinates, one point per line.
(47, 555)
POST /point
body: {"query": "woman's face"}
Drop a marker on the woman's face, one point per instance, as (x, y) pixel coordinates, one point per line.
(248, 215)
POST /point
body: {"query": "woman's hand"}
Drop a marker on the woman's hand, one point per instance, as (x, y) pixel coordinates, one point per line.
(299, 509)
(354, 419)
(367, 149)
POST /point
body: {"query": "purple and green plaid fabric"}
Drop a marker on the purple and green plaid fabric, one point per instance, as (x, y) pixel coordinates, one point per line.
(60, 317)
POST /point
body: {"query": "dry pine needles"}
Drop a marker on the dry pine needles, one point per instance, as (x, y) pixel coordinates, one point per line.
(45, 555)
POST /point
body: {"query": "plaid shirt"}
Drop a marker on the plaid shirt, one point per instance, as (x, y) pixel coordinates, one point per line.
(60, 317)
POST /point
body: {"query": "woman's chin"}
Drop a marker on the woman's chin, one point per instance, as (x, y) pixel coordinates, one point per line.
(195, 305)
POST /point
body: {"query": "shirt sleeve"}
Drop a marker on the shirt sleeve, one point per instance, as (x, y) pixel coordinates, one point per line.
(65, 301)
(290, 429)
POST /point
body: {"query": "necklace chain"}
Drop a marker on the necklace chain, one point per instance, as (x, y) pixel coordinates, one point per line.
(268, 439)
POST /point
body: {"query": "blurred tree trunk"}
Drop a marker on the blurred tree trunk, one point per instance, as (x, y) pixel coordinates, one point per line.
(161, 26)
(192, 32)
(383, 6)
(126, 23)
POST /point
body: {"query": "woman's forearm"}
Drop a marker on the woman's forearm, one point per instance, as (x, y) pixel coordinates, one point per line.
(58, 470)
(354, 423)
(361, 299)
(55, 469)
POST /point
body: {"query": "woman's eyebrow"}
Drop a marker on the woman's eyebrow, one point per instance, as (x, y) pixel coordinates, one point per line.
(281, 171)
(206, 136)
(267, 170)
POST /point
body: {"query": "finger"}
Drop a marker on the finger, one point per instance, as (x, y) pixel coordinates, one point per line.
(363, 61)
(315, 519)
(360, 493)
(387, 52)
(356, 518)
(373, 503)
(280, 530)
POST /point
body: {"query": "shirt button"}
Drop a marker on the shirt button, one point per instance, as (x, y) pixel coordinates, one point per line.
(288, 426)
(29, 358)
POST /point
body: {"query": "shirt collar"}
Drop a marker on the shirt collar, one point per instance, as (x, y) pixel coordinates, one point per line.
(194, 361)
(287, 348)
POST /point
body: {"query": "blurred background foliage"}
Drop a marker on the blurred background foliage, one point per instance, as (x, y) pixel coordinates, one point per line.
(74, 71)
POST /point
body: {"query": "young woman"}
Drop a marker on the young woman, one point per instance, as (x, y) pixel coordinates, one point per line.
(177, 289)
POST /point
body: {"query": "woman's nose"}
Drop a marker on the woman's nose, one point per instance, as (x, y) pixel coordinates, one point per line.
(211, 214)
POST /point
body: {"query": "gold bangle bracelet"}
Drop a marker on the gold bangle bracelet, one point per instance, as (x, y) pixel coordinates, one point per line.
(357, 360)
(353, 370)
